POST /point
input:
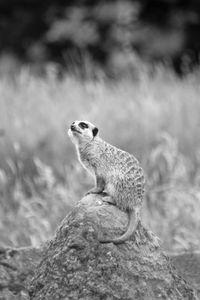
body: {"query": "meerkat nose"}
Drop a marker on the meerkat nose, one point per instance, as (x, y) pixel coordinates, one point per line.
(72, 127)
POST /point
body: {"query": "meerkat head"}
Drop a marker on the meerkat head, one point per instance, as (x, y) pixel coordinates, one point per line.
(82, 132)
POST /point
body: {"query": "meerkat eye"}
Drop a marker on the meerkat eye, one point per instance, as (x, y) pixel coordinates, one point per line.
(83, 125)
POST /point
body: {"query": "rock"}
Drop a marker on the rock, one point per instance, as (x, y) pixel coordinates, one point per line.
(188, 264)
(16, 267)
(76, 266)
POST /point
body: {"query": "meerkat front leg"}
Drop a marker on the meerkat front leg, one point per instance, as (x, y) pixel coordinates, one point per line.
(108, 199)
(99, 188)
(108, 196)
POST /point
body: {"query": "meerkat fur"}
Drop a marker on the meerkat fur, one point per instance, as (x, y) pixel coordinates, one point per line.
(118, 173)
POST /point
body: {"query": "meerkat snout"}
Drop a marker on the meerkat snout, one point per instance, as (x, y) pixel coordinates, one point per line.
(72, 127)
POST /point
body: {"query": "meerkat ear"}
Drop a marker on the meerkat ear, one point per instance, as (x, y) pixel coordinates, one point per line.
(95, 131)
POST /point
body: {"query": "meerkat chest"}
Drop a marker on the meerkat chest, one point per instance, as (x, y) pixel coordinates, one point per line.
(87, 162)
(87, 165)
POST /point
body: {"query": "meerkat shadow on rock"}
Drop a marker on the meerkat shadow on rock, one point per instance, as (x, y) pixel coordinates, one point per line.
(118, 175)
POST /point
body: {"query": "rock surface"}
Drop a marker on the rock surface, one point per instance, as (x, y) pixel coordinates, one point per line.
(77, 266)
(188, 264)
(74, 265)
(16, 268)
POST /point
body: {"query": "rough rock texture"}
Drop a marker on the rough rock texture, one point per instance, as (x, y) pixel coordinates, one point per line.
(188, 265)
(77, 266)
(16, 267)
(74, 265)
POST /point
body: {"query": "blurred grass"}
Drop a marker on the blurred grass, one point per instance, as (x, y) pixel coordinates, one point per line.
(155, 116)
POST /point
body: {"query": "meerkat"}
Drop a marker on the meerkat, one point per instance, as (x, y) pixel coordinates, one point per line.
(118, 173)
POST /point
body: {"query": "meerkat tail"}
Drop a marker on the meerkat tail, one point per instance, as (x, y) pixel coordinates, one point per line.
(132, 225)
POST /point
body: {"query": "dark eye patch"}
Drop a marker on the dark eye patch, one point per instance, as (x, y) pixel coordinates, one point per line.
(83, 125)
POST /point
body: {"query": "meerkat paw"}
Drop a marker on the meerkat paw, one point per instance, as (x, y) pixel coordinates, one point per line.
(108, 199)
(94, 190)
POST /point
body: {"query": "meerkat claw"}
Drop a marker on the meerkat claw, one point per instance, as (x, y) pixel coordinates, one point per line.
(93, 191)
(109, 200)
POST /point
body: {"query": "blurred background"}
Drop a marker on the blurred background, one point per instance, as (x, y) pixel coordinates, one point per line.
(131, 68)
